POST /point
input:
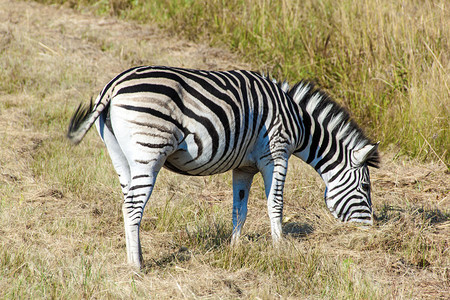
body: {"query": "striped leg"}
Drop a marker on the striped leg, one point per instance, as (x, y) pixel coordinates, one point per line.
(140, 189)
(136, 193)
(274, 176)
(241, 187)
(146, 144)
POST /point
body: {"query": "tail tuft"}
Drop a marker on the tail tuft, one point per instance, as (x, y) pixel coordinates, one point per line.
(77, 127)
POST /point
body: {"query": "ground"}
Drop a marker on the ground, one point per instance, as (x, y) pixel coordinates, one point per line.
(60, 212)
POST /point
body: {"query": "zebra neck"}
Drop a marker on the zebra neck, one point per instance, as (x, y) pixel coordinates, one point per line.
(323, 151)
(329, 136)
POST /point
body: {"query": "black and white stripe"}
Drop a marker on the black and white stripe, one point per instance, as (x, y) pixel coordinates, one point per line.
(201, 123)
(339, 151)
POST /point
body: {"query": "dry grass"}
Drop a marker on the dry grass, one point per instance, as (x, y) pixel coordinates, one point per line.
(60, 206)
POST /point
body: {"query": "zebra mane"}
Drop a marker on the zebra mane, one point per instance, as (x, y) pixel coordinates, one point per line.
(284, 85)
(321, 106)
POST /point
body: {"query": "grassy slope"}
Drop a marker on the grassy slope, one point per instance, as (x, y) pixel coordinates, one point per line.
(60, 213)
(387, 61)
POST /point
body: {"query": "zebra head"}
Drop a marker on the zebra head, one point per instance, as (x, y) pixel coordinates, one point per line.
(347, 192)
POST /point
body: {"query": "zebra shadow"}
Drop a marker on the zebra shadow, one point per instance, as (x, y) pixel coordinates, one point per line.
(215, 237)
(203, 237)
(181, 255)
(297, 229)
(294, 230)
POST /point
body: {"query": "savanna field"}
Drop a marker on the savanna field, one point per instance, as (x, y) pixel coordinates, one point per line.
(61, 224)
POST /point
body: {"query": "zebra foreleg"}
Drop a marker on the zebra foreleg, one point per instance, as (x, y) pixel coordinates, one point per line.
(241, 187)
(274, 175)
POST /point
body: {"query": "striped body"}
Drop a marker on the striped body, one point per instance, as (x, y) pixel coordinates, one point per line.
(206, 122)
(201, 123)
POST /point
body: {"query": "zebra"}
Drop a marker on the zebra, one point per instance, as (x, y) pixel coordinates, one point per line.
(198, 123)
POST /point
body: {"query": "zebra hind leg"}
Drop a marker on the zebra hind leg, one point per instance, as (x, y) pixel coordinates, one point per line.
(132, 201)
(140, 189)
(118, 158)
(145, 163)
(146, 144)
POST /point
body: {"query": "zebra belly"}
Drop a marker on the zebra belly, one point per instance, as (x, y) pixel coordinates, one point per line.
(194, 157)
(176, 163)
(186, 159)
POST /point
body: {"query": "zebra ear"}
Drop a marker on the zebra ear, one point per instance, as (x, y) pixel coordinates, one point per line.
(367, 154)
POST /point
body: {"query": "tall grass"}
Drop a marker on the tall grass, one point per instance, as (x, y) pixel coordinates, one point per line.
(386, 61)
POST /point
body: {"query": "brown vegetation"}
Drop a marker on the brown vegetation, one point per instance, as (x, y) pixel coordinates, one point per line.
(61, 232)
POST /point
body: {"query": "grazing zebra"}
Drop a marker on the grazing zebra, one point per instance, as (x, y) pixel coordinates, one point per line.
(201, 123)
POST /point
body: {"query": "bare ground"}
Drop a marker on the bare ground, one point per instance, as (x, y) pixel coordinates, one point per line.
(405, 253)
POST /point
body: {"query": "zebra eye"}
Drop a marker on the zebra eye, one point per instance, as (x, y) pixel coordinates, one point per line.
(365, 185)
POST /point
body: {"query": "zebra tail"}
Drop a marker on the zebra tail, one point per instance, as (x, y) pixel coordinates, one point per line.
(81, 122)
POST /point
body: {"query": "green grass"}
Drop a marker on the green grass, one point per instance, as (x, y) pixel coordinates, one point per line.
(387, 62)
